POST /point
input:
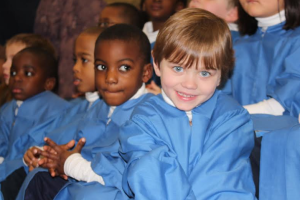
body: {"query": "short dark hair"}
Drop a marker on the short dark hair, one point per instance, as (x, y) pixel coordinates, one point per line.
(194, 35)
(128, 33)
(248, 24)
(48, 61)
(130, 13)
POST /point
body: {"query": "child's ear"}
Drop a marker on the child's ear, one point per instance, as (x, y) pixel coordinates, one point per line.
(147, 72)
(179, 6)
(232, 15)
(50, 83)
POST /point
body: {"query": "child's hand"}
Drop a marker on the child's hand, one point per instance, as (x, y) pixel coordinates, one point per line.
(56, 161)
(31, 157)
(153, 88)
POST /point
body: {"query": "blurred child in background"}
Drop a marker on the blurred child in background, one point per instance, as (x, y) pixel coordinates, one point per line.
(33, 77)
(120, 13)
(227, 10)
(84, 80)
(12, 47)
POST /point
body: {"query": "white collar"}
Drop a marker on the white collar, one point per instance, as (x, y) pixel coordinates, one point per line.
(139, 93)
(233, 27)
(170, 102)
(148, 30)
(266, 22)
(91, 96)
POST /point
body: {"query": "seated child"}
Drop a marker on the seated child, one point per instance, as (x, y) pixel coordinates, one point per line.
(120, 13)
(122, 62)
(266, 77)
(33, 76)
(227, 10)
(158, 12)
(84, 80)
(192, 141)
(12, 47)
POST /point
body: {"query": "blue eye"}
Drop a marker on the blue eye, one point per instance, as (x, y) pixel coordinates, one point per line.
(178, 69)
(100, 67)
(13, 73)
(204, 74)
(124, 68)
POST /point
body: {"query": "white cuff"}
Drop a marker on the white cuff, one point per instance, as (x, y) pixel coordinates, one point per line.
(299, 118)
(270, 106)
(1, 159)
(80, 169)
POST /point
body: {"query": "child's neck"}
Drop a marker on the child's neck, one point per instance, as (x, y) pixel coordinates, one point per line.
(266, 22)
(157, 25)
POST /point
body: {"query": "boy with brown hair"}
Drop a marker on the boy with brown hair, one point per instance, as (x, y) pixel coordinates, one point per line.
(192, 141)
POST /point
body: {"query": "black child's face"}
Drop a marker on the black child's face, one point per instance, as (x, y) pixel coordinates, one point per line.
(119, 70)
(27, 77)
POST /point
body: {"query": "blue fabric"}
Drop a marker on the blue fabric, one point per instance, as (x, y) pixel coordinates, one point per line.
(34, 111)
(280, 164)
(265, 123)
(235, 35)
(267, 66)
(170, 159)
(101, 135)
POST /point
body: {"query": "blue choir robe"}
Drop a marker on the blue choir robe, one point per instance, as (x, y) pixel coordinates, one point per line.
(267, 66)
(280, 164)
(16, 129)
(167, 158)
(101, 133)
(235, 35)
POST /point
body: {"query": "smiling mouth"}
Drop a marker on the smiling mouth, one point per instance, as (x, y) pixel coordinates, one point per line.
(186, 95)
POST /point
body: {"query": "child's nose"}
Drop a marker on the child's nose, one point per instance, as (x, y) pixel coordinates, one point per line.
(189, 82)
(111, 77)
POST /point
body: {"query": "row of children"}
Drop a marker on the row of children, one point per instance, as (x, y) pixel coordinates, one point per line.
(149, 145)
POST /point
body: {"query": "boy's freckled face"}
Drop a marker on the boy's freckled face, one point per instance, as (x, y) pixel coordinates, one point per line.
(160, 10)
(217, 7)
(27, 77)
(10, 51)
(119, 70)
(111, 16)
(187, 88)
(84, 73)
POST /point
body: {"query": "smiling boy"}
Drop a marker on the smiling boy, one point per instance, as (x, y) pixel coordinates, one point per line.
(192, 141)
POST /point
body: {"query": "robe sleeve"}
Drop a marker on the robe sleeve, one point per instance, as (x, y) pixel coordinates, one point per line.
(223, 170)
(288, 82)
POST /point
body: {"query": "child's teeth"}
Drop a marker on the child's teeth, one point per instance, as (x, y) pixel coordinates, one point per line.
(185, 95)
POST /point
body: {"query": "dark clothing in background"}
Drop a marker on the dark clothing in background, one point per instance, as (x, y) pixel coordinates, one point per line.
(62, 21)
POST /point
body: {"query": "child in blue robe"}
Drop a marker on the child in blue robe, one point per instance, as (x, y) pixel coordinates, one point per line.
(85, 83)
(192, 141)
(120, 79)
(33, 76)
(266, 77)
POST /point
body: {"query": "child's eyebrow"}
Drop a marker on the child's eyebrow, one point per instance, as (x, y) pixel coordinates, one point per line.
(29, 67)
(99, 60)
(83, 54)
(126, 59)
